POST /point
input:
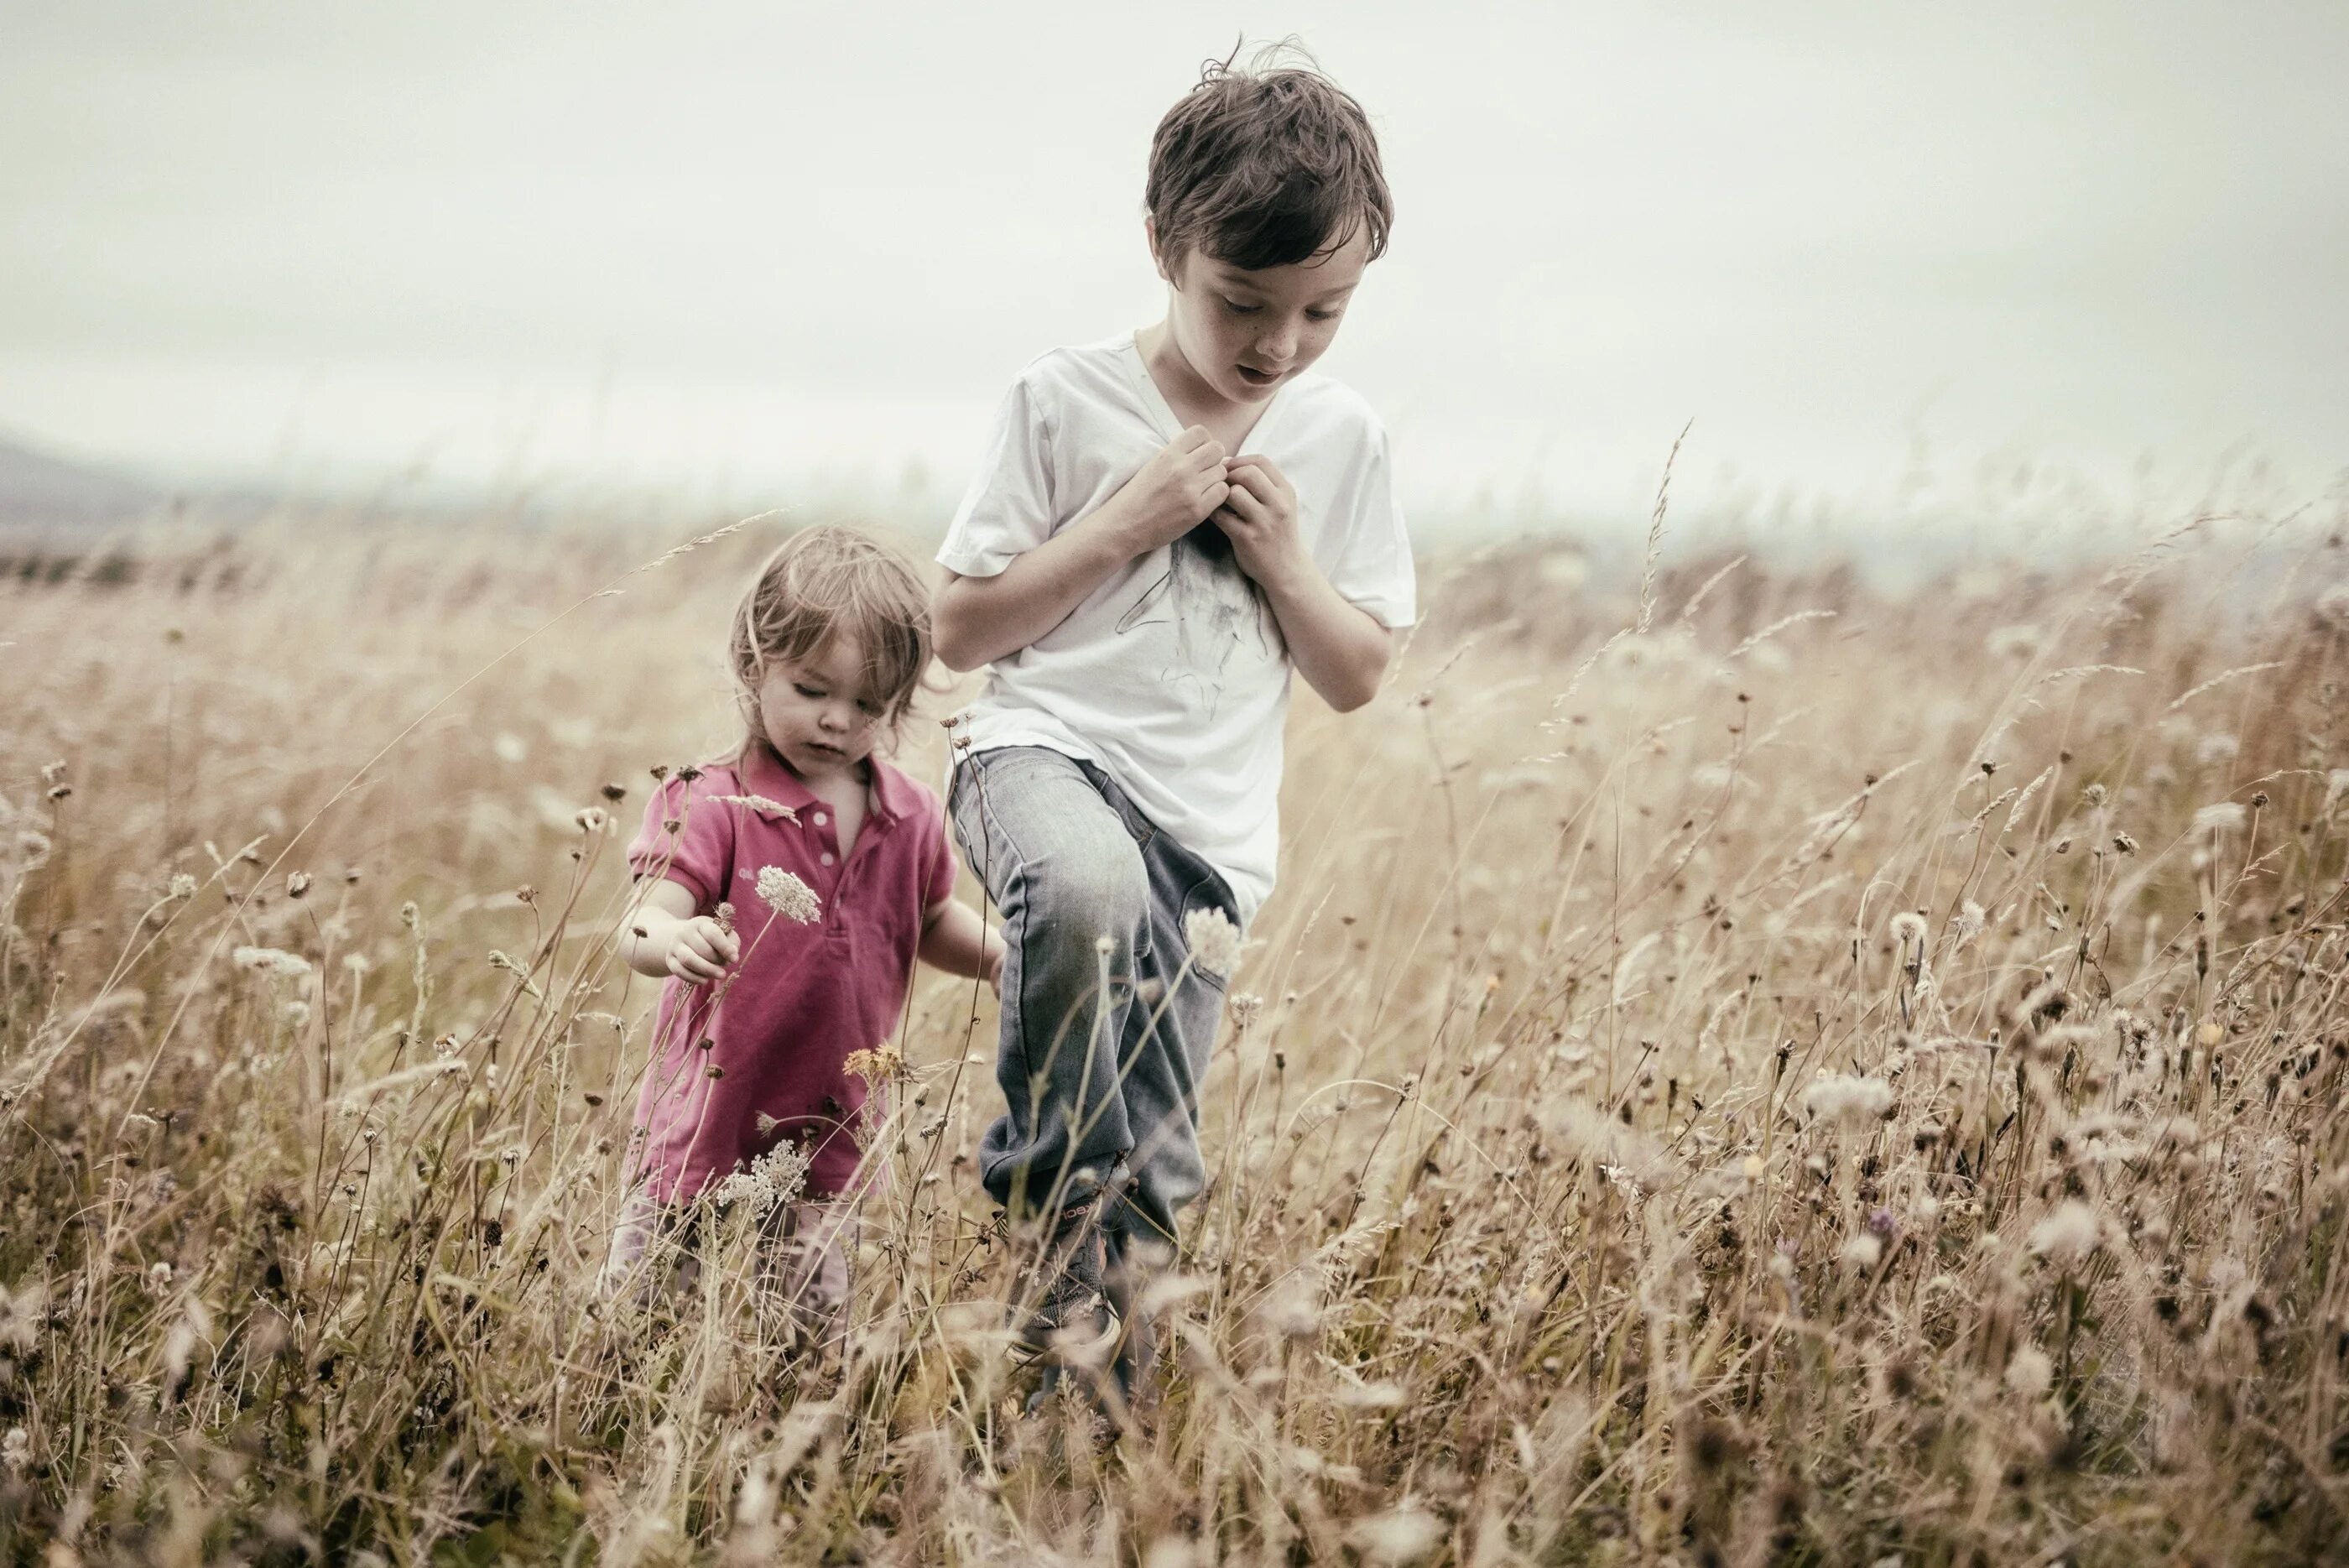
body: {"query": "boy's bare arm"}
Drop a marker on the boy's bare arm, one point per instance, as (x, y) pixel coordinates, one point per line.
(976, 620)
(1342, 652)
(955, 939)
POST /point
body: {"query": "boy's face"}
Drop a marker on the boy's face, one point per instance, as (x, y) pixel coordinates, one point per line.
(817, 714)
(1245, 332)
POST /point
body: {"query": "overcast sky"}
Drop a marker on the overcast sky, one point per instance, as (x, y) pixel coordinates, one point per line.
(729, 245)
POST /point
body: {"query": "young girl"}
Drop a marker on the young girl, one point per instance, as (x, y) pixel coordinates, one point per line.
(786, 892)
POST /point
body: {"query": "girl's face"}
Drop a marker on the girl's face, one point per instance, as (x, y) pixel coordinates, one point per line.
(817, 714)
(1244, 333)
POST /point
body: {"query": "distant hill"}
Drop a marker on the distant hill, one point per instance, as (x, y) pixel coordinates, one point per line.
(36, 489)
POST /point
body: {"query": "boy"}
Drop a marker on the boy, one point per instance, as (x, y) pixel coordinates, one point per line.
(1165, 524)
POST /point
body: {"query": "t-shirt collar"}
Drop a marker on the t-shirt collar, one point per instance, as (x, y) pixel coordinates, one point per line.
(1162, 412)
(763, 775)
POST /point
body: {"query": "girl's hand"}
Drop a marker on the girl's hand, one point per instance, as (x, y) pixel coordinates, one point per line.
(701, 950)
(994, 964)
(1259, 516)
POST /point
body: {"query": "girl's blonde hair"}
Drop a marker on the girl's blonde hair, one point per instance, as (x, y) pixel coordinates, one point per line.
(824, 581)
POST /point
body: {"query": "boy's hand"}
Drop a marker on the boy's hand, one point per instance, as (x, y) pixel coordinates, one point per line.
(701, 950)
(1259, 516)
(1175, 491)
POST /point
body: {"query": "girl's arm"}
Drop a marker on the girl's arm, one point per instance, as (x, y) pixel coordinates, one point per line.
(976, 620)
(664, 936)
(955, 939)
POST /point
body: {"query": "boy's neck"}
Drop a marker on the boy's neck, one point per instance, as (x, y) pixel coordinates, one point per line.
(1187, 392)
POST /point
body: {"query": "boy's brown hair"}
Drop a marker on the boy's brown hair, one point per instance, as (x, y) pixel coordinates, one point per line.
(1264, 166)
(825, 580)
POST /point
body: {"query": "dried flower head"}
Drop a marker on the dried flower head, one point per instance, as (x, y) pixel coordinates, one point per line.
(2223, 817)
(1214, 940)
(759, 803)
(2030, 1371)
(2068, 1235)
(882, 1064)
(275, 963)
(775, 1178)
(1850, 1101)
(784, 893)
(1908, 927)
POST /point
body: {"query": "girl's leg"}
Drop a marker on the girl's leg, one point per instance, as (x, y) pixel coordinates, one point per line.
(645, 1261)
(805, 1252)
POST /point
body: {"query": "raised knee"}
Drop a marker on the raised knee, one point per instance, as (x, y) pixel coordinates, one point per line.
(1102, 895)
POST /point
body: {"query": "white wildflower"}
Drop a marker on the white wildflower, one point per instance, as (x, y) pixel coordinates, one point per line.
(1293, 1311)
(1862, 1251)
(22, 1311)
(592, 819)
(1380, 1395)
(1843, 1097)
(1620, 1179)
(183, 886)
(2030, 1372)
(1400, 1535)
(775, 1178)
(1214, 940)
(2067, 1235)
(2217, 748)
(273, 961)
(16, 1448)
(789, 897)
(2226, 817)
(1970, 921)
(1908, 926)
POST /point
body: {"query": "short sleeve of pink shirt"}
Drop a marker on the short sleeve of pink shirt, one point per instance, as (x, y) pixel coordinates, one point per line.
(687, 838)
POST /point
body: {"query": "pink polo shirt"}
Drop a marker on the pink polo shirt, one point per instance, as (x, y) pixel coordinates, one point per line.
(801, 997)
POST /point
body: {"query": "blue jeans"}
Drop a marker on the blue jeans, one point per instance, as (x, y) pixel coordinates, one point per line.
(1104, 1042)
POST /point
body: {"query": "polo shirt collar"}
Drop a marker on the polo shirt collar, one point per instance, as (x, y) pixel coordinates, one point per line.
(763, 773)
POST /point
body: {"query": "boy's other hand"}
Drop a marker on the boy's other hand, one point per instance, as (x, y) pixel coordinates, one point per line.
(701, 950)
(1259, 516)
(1176, 490)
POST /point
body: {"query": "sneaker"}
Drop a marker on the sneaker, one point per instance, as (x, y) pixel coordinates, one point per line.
(1068, 1310)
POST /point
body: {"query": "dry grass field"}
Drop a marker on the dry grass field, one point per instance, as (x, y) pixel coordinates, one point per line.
(1744, 1067)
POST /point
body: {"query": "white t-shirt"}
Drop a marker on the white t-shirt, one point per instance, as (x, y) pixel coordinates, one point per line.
(1172, 675)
